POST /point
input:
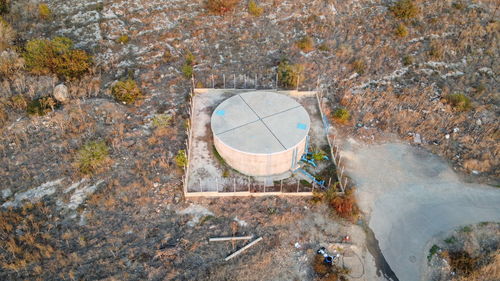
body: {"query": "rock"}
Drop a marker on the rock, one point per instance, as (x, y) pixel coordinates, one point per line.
(456, 130)
(479, 122)
(417, 139)
(60, 93)
(447, 136)
(6, 193)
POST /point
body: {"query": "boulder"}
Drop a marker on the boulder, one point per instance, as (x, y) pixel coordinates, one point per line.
(61, 93)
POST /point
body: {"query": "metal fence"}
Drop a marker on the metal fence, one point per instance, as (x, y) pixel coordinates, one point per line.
(219, 187)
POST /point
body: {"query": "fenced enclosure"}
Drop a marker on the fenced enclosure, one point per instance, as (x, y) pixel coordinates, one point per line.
(217, 185)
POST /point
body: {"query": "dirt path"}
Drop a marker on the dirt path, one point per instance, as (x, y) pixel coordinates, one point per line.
(410, 196)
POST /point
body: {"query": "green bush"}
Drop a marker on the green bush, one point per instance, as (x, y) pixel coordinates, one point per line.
(306, 44)
(41, 106)
(44, 11)
(189, 58)
(56, 56)
(126, 91)
(405, 9)
(434, 250)
(408, 60)
(123, 39)
(161, 120)
(221, 7)
(459, 101)
(359, 66)
(401, 30)
(92, 156)
(187, 71)
(254, 9)
(341, 115)
(7, 34)
(288, 74)
(181, 159)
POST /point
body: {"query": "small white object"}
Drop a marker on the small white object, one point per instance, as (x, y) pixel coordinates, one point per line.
(479, 122)
(447, 136)
(297, 245)
(475, 172)
(456, 130)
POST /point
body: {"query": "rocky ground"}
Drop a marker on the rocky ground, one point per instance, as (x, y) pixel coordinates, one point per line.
(122, 223)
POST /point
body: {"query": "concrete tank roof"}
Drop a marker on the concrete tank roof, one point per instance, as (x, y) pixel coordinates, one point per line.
(260, 122)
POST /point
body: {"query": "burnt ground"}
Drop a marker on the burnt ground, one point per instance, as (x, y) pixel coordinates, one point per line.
(127, 227)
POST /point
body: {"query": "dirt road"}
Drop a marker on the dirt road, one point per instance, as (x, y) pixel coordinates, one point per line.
(410, 196)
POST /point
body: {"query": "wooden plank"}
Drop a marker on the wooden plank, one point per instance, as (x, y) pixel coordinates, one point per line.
(243, 249)
(214, 239)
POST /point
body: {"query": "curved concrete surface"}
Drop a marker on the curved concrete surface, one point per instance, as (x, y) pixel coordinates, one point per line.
(410, 196)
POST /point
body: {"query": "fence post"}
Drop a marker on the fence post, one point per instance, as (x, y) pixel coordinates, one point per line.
(255, 82)
(298, 182)
(213, 82)
(298, 82)
(234, 79)
(245, 79)
(217, 184)
(201, 187)
(329, 182)
(224, 80)
(281, 186)
(276, 81)
(234, 184)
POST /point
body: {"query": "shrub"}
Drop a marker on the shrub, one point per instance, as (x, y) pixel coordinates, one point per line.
(3, 116)
(19, 102)
(7, 35)
(187, 70)
(44, 11)
(56, 56)
(324, 47)
(306, 44)
(359, 66)
(221, 7)
(401, 30)
(123, 39)
(4, 6)
(433, 250)
(161, 120)
(345, 205)
(181, 159)
(341, 115)
(459, 101)
(459, 5)
(167, 56)
(408, 60)
(126, 91)
(92, 156)
(404, 9)
(254, 9)
(436, 50)
(288, 74)
(189, 58)
(41, 106)
(10, 62)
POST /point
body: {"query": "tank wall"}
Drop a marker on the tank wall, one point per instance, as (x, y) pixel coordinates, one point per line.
(259, 164)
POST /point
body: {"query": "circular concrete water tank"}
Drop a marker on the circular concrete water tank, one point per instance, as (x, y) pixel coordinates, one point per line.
(260, 133)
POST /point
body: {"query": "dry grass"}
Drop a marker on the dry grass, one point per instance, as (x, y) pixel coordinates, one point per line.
(221, 7)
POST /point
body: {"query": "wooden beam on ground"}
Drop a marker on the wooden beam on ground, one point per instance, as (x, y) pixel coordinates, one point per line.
(243, 249)
(232, 238)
